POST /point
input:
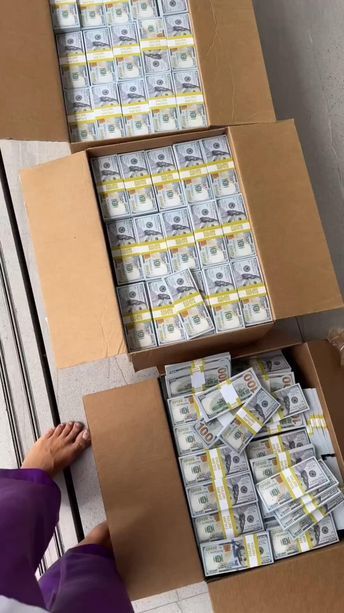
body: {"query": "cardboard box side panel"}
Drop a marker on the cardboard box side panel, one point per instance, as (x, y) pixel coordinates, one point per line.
(146, 508)
(73, 263)
(231, 62)
(293, 250)
(198, 348)
(310, 582)
(32, 106)
(323, 359)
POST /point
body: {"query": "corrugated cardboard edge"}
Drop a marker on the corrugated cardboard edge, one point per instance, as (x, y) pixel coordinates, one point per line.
(322, 368)
(311, 582)
(294, 253)
(72, 260)
(231, 62)
(138, 411)
(138, 473)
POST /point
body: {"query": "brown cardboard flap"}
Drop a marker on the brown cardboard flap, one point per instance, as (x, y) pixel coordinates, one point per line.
(293, 250)
(311, 582)
(73, 263)
(231, 62)
(320, 365)
(32, 106)
(143, 495)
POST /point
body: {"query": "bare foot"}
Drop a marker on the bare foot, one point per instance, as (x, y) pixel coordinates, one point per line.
(100, 535)
(58, 448)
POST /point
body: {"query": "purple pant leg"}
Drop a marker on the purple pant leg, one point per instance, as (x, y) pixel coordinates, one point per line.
(85, 580)
(29, 509)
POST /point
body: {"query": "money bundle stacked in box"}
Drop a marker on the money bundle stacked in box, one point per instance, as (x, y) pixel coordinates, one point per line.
(128, 67)
(253, 498)
(178, 225)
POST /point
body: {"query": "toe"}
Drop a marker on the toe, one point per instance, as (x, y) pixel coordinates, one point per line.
(59, 430)
(74, 430)
(82, 441)
(49, 433)
(68, 429)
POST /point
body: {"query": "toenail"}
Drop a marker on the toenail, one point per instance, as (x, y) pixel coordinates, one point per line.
(70, 423)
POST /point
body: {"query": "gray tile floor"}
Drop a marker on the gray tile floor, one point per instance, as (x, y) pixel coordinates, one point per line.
(304, 52)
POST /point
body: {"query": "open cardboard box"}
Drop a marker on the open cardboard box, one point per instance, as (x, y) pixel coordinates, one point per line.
(74, 263)
(146, 506)
(231, 63)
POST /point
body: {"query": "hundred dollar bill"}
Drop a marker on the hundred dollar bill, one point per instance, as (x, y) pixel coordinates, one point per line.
(183, 409)
(180, 239)
(209, 431)
(317, 427)
(208, 234)
(250, 418)
(221, 495)
(191, 161)
(108, 111)
(238, 554)
(292, 483)
(228, 524)
(189, 304)
(138, 182)
(214, 464)
(65, 15)
(311, 501)
(292, 400)
(270, 465)
(221, 166)
(310, 508)
(137, 317)
(218, 400)
(275, 426)
(222, 298)
(110, 188)
(200, 375)
(168, 325)
(128, 267)
(165, 177)
(322, 534)
(187, 439)
(228, 395)
(152, 246)
(276, 381)
(299, 528)
(270, 363)
(252, 290)
(281, 442)
(200, 363)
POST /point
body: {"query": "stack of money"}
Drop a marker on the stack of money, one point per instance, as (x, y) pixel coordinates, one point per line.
(128, 68)
(252, 497)
(237, 554)
(301, 495)
(197, 375)
(169, 212)
(322, 534)
(316, 424)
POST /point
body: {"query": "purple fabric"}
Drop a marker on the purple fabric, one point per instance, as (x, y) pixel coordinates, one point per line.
(84, 580)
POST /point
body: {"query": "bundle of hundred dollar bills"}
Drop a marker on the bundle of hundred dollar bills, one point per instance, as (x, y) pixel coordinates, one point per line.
(257, 461)
(182, 245)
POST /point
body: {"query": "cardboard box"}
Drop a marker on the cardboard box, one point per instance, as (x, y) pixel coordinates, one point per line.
(230, 57)
(146, 507)
(74, 263)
